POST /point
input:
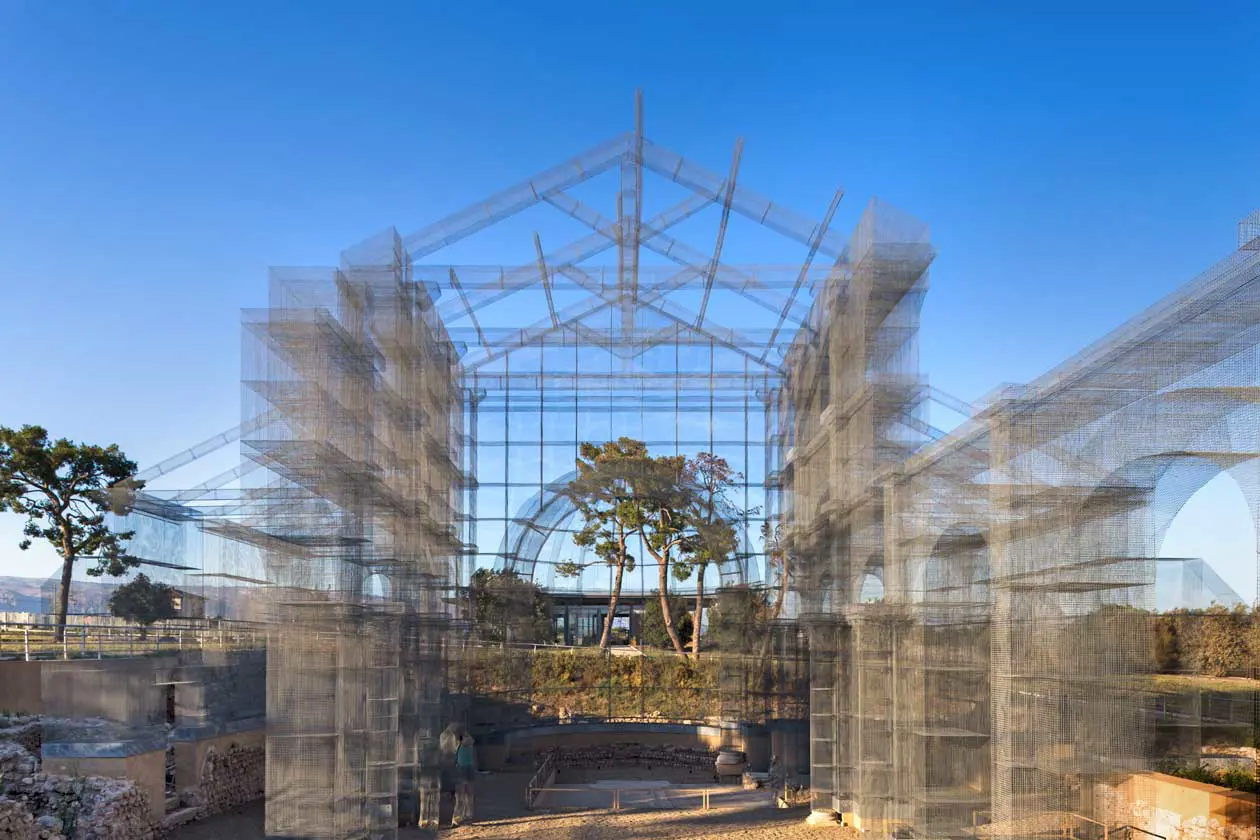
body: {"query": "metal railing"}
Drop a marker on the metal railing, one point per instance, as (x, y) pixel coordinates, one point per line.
(29, 641)
(1127, 832)
(540, 780)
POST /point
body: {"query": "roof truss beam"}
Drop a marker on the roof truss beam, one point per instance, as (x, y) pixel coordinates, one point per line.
(516, 198)
(694, 264)
(603, 239)
(809, 261)
(546, 281)
(727, 194)
(472, 316)
(780, 219)
(680, 319)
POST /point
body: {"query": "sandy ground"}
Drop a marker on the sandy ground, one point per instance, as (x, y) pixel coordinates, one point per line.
(501, 815)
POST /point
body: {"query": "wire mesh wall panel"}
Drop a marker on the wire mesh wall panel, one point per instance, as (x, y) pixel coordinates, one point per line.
(853, 397)
(975, 604)
(360, 502)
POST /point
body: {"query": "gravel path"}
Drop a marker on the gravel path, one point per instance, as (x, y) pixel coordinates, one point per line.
(501, 816)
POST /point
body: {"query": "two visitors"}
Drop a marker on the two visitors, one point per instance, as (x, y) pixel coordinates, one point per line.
(457, 760)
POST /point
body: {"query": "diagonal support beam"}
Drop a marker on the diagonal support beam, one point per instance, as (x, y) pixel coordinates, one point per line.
(603, 239)
(761, 210)
(727, 195)
(634, 219)
(679, 318)
(207, 446)
(206, 487)
(516, 198)
(546, 280)
(809, 260)
(568, 317)
(692, 261)
(472, 316)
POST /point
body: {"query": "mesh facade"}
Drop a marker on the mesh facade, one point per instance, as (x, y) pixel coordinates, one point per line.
(965, 616)
(980, 601)
(360, 450)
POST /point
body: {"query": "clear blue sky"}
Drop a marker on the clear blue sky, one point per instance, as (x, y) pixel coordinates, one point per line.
(1076, 162)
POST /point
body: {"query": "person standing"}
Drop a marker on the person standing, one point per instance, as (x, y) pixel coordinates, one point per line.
(448, 745)
(429, 797)
(465, 774)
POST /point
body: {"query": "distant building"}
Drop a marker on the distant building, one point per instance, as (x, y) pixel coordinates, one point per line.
(188, 605)
(578, 617)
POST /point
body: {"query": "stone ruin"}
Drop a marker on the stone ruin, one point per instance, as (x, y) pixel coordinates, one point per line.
(230, 779)
(40, 806)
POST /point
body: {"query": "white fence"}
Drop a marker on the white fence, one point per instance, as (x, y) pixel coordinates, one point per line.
(37, 640)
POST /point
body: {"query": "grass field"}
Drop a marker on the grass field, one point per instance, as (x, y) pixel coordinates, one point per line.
(1198, 682)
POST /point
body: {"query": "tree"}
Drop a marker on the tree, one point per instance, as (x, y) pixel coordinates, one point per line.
(654, 633)
(665, 516)
(1253, 639)
(1223, 648)
(1168, 643)
(65, 489)
(604, 493)
(709, 477)
(506, 607)
(143, 602)
(740, 614)
(624, 493)
(777, 552)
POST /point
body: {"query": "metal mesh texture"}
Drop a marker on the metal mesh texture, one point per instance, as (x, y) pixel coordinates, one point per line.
(980, 602)
(976, 604)
(358, 527)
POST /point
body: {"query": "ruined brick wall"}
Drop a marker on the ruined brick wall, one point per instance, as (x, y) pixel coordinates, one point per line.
(230, 778)
(73, 808)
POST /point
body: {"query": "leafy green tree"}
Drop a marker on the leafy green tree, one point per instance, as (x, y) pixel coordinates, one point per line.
(673, 506)
(1253, 638)
(779, 554)
(1223, 643)
(65, 489)
(605, 494)
(739, 615)
(654, 633)
(710, 479)
(1168, 642)
(143, 602)
(665, 517)
(506, 607)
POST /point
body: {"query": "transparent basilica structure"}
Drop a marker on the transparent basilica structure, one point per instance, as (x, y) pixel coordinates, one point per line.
(971, 600)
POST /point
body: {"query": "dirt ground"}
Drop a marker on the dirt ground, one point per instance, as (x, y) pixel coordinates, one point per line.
(501, 815)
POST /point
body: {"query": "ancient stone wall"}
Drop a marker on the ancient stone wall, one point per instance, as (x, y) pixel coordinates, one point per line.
(23, 730)
(17, 823)
(230, 778)
(628, 754)
(73, 808)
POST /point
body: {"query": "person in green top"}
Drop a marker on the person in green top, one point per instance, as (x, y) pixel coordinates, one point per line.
(465, 773)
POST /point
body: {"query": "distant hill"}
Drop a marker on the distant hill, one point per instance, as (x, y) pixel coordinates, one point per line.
(24, 595)
(19, 594)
